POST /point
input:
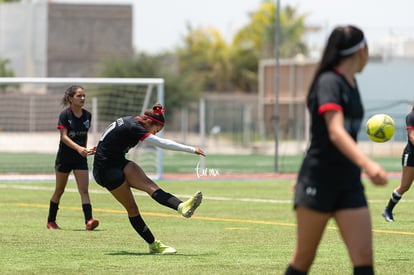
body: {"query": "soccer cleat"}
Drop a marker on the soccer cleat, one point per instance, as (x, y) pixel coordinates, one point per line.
(52, 225)
(387, 214)
(188, 207)
(158, 247)
(92, 224)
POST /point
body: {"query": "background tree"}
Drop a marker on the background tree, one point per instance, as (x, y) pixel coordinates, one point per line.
(205, 58)
(179, 88)
(257, 41)
(5, 71)
(206, 62)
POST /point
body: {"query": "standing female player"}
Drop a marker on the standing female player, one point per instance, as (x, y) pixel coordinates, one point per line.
(117, 174)
(329, 181)
(407, 176)
(73, 124)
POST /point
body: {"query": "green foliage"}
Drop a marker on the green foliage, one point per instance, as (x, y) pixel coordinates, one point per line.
(179, 88)
(5, 71)
(205, 58)
(223, 67)
(142, 66)
(259, 34)
(256, 41)
(206, 62)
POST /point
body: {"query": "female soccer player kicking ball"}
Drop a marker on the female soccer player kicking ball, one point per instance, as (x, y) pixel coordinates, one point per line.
(113, 171)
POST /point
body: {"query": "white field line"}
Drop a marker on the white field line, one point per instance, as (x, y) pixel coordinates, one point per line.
(142, 194)
(138, 193)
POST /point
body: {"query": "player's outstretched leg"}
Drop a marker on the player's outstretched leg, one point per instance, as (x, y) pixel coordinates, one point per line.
(158, 247)
(188, 207)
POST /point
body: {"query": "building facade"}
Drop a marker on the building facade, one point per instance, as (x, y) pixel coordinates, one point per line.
(52, 39)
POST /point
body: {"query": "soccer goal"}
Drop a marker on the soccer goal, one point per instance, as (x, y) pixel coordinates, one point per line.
(29, 110)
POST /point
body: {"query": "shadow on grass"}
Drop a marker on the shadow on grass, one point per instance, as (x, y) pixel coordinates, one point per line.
(128, 253)
(83, 230)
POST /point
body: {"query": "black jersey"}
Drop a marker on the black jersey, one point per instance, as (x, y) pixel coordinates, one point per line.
(324, 163)
(333, 92)
(409, 122)
(119, 137)
(77, 131)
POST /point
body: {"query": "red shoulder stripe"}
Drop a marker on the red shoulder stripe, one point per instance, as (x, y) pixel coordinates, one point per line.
(145, 136)
(329, 107)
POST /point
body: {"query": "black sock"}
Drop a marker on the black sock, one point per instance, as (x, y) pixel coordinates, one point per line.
(166, 199)
(53, 208)
(290, 270)
(87, 211)
(395, 198)
(139, 225)
(363, 270)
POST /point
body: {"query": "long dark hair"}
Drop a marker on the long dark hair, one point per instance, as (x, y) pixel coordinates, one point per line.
(342, 43)
(70, 92)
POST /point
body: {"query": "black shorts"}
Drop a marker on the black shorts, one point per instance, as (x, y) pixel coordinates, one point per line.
(110, 174)
(329, 187)
(329, 200)
(66, 166)
(407, 158)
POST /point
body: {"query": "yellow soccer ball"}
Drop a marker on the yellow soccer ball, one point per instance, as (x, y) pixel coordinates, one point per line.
(380, 128)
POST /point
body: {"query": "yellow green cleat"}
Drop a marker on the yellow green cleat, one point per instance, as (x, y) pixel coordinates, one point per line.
(158, 247)
(188, 207)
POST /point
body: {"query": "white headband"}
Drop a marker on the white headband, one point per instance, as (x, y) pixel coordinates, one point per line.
(353, 48)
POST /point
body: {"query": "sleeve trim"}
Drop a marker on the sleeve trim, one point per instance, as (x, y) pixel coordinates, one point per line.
(329, 106)
(145, 136)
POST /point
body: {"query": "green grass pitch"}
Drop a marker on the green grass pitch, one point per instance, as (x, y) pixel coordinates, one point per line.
(242, 227)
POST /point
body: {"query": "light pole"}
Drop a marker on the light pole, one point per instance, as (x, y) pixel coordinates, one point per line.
(276, 87)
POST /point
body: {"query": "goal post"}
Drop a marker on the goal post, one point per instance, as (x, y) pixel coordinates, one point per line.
(29, 110)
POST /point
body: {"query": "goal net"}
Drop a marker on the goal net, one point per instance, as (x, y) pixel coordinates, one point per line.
(29, 111)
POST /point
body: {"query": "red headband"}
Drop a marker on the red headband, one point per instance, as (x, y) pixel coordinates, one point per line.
(158, 110)
(154, 119)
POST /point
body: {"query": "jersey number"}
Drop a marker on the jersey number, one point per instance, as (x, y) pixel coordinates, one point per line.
(111, 126)
(108, 130)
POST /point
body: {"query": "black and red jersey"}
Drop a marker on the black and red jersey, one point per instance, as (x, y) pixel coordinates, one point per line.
(333, 92)
(119, 137)
(77, 130)
(324, 164)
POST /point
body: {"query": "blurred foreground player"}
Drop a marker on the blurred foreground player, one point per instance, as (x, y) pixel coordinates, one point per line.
(329, 181)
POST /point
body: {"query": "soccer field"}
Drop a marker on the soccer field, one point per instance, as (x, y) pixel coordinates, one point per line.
(242, 227)
(226, 164)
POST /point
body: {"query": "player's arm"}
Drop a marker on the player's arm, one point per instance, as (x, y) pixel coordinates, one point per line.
(70, 143)
(172, 145)
(345, 143)
(91, 151)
